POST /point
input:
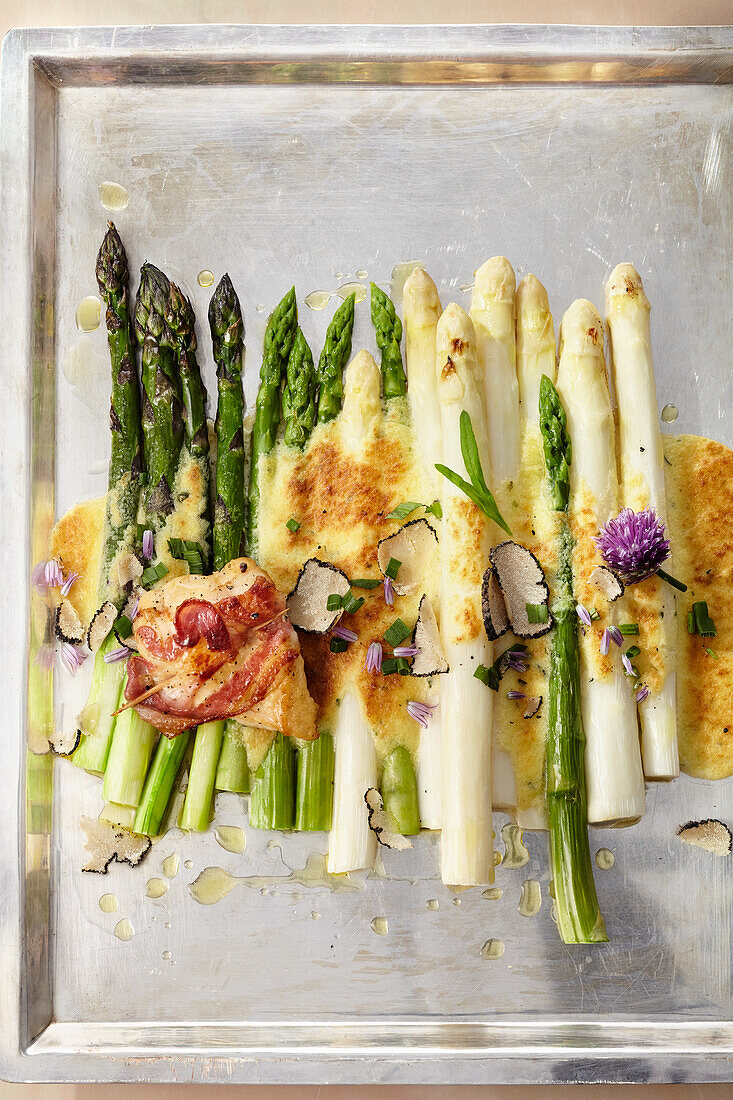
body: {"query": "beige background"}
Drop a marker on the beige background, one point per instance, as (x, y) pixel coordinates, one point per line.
(24, 13)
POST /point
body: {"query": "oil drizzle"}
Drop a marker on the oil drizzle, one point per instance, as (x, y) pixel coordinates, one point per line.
(113, 196)
(605, 859)
(400, 274)
(124, 930)
(492, 894)
(205, 277)
(361, 273)
(214, 883)
(357, 289)
(433, 903)
(530, 899)
(492, 949)
(379, 926)
(317, 299)
(108, 903)
(231, 838)
(156, 888)
(515, 853)
(88, 313)
(670, 414)
(171, 864)
(166, 955)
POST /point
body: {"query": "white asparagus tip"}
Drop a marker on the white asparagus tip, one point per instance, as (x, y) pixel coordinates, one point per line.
(532, 296)
(455, 328)
(420, 290)
(495, 282)
(534, 319)
(581, 329)
(625, 285)
(362, 370)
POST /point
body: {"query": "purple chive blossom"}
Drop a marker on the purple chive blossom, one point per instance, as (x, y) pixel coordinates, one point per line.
(344, 633)
(626, 662)
(133, 610)
(634, 544)
(71, 657)
(373, 662)
(421, 712)
(53, 574)
(66, 586)
(517, 660)
(388, 592)
(515, 695)
(616, 635)
(605, 642)
(44, 657)
(120, 654)
(38, 576)
(148, 545)
(406, 650)
(583, 615)
(642, 693)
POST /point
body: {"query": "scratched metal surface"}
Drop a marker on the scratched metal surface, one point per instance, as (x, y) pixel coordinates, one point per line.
(569, 150)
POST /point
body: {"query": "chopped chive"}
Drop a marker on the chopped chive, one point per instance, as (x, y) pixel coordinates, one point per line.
(488, 676)
(403, 666)
(703, 622)
(152, 574)
(293, 524)
(710, 653)
(338, 645)
(691, 628)
(351, 604)
(594, 615)
(631, 630)
(537, 612)
(393, 568)
(365, 582)
(679, 585)
(435, 509)
(389, 665)
(402, 511)
(190, 552)
(396, 633)
(123, 627)
(633, 651)
(333, 603)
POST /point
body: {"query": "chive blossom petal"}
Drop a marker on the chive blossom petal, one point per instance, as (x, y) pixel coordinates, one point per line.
(421, 712)
(605, 642)
(388, 592)
(120, 654)
(583, 614)
(148, 544)
(344, 633)
(642, 694)
(373, 662)
(68, 583)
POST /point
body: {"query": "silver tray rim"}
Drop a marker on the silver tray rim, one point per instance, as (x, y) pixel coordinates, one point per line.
(462, 1050)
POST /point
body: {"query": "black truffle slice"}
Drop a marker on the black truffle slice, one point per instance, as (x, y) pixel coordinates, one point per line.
(430, 661)
(308, 602)
(522, 581)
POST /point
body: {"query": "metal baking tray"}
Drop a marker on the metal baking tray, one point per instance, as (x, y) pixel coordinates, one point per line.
(294, 153)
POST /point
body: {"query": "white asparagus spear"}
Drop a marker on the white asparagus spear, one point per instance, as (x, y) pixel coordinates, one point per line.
(535, 350)
(351, 842)
(614, 776)
(466, 842)
(492, 313)
(642, 486)
(421, 309)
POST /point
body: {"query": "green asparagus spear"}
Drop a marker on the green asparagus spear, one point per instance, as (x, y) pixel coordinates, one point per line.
(314, 792)
(125, 479)
(126, 459)
(579, 917)
(227, 333)
(399, 791)
(161, 411)
(388, 330)
(272, 804)
(299, 394)
(159, 783)
(334, 357)
(279, 338)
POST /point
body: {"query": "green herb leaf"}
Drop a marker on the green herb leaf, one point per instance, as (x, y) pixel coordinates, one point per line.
(537, 612)
(153, 574)
(633, 651)
(402, 511)
(338, 645)
(123, 627)
(393, 568)
(679, 585)
(333, 603)
(396, 633)
(594, 615)
(351, 603)
(631, 630)
(435, 509)
(365, 582)
(389, 666)
(477, 490)
(190, 552)
(703, 622)
(293, 524)
(710, 653)
(488, 676)
(691, 628)
(403, 666)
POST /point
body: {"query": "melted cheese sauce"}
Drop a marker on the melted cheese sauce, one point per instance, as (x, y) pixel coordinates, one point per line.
(77, 541)
(700, 503)
(341, 500)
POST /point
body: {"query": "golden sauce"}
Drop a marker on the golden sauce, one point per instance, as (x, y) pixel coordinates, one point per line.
(231, 838)
(108, 903)
(214, 883)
